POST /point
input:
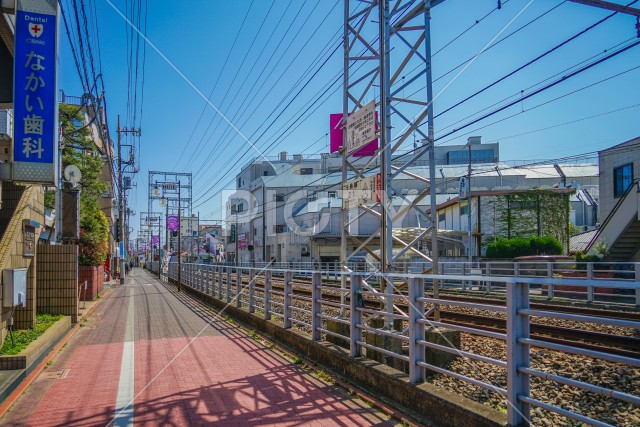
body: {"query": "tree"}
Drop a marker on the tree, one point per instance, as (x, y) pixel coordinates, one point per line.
(79, 149)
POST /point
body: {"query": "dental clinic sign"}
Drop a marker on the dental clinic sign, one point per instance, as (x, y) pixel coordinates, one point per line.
(35, 87)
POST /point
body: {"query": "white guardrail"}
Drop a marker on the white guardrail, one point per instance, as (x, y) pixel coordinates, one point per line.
(252, 289)
(593, 275)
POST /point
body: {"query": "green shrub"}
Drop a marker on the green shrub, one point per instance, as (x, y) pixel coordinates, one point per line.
(523, 246)
(23, 338)
(581, 259)
(545, 245)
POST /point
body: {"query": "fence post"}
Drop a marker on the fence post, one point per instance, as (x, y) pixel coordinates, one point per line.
(637, 279)
(239, 287)
(316, 296)
(267, 295)
(416, 329)
(288, 299)
(550, 287)
(589, 282)
(252, 288)
(220, 273)
(228, 287)
(355, 333)
(517, 353)
(215, 281)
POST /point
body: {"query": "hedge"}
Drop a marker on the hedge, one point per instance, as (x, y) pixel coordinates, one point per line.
(523, 246)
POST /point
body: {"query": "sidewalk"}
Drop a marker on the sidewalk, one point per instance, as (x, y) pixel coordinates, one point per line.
(10, 380)
(180, 364)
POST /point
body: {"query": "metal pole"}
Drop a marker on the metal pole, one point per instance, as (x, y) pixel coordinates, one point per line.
(386, 239)
(264, 223)
(432, 157)
(470, 249)
(345, 113)
(386, 242)
(159, 245)
(58, 236)
(179, 243)
(121, 204)
(166, 225)
(236, 237)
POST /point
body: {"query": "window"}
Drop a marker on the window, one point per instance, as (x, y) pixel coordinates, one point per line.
(442, 217)
(332, 194)
(280, 228)
(464, 210)
(529, 204)
(477, 156)
(306, 171)
(265, 173)
(311, 195)
(279, 197)
(622, 177)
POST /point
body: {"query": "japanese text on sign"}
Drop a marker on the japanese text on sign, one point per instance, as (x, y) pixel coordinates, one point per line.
(34, 147)
(361, 127)
(361, 191)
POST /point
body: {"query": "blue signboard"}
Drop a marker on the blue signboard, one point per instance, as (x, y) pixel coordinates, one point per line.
(35, 87)
(122, 254)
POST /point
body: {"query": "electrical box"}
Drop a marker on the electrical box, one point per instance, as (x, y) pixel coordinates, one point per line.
(14, 287)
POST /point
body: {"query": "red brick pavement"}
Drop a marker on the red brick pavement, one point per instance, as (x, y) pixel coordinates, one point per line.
(187, 373)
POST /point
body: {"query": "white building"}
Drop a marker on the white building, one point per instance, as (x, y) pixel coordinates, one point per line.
(302, 200)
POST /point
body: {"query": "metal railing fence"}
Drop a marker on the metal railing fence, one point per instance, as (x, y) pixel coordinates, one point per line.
(310, 306)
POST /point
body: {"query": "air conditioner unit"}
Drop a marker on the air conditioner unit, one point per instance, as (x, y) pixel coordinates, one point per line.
(304, 249)
(6, 125)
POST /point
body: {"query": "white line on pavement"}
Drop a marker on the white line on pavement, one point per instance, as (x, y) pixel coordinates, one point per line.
(124, 401)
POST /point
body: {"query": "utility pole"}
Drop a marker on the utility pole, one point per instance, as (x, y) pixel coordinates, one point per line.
(121, 201)
(179, 241)
(120, 205)
(264, 223)
(469, 207)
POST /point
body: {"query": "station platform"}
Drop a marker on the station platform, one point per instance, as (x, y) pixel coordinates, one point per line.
(151, 356)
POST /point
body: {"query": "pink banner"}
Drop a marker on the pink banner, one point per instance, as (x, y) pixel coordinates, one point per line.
(335, 137)
(172, 223)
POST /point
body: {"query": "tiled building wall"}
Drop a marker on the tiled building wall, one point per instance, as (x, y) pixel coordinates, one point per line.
(20, 203)
(58, 280)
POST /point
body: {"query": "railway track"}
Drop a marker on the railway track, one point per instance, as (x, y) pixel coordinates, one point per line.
(628, 346)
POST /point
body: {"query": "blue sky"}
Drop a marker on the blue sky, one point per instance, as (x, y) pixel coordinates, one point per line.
(197, 36)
